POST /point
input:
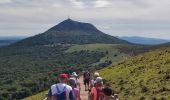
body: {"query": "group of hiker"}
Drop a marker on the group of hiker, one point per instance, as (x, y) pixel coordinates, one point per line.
(97, 90)
(69, 88)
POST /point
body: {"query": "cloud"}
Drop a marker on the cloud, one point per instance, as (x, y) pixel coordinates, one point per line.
(90, 3)
(5, 1)
(101, 3)
(77, 3)
(116, 17)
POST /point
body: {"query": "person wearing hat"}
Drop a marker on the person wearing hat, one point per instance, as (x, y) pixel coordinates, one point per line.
(75, 76)
(73, 84)
(97, 90)
(61, 86)
(96, 74)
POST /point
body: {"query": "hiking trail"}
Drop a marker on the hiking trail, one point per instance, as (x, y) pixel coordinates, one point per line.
(83, 93)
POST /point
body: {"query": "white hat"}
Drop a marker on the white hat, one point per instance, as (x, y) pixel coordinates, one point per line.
(74, 74)
(96, 74)
(99, 79)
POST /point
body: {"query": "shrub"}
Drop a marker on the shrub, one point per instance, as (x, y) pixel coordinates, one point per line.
(144, 89)
(142, 98)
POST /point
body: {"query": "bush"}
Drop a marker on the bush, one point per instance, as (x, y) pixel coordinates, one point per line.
(142, 98)
(12, 89)
(154, 98)
(144, 89)
(162, 98)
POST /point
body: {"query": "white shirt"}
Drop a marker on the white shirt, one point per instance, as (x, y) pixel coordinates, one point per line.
(61, 88)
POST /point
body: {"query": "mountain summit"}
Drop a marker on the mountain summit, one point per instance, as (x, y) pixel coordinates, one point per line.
(71, 25)
(71, 32)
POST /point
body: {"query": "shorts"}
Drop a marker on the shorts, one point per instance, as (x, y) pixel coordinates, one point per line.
(86, 81)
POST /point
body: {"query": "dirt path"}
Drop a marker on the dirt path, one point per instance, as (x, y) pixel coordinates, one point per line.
(83, 93)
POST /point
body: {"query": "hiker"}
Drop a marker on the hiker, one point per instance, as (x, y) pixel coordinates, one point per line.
(61, 91)
(75, 90)
(115, 97)
(109, 94)
(97, 91)
(86, 78)
(75, 76)
(107, 91)
(96, 74)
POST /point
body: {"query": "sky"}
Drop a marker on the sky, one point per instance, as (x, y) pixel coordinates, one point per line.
(146, 18)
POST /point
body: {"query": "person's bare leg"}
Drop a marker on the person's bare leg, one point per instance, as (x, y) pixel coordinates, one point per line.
(88, 85)
(85, 87)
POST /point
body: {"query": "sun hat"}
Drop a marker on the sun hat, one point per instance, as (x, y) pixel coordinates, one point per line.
(96, 74)
(99, 79)
(63, 75)
(74, 74)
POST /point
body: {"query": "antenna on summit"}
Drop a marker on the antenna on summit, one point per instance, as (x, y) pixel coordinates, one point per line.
(69, 17)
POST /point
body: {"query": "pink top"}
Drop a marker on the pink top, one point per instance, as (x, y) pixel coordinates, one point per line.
(97, 93)
(93, 93)
(76, 93)
(100, 94)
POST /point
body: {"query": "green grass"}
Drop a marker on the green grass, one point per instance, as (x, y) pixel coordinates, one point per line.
(39, 96)
(91, 47)
(144, 76)
(112, 53)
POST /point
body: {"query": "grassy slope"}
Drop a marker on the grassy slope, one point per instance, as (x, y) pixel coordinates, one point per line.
(39, 96)
(113, 54)
(144, 77)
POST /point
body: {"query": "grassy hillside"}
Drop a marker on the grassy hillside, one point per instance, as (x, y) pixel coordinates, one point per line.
(144, 77)
(39, 96)
(33, 69)
(117, 53)
(112, 53)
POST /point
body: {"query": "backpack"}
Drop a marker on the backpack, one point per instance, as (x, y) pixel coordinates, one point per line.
(86, 75)
(61, 95)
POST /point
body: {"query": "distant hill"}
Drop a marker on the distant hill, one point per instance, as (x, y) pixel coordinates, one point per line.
(144, 40)
(6, 42)
(71, 32)
(9, 40)
(144, 77)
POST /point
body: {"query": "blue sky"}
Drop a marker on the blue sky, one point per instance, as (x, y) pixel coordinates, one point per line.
(147, 18)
